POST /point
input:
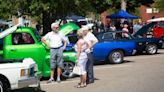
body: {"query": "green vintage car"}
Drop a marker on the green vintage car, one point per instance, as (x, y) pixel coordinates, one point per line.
(15, 48)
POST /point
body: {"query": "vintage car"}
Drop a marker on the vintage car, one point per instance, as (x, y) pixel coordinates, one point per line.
(150, 45)
(18, 73)
(154, 28)
(112, 51)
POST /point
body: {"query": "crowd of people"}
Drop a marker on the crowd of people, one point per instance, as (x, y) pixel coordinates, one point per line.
(83, 48)
(130, 27)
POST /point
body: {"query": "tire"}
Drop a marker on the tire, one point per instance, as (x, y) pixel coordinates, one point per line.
(3, 86)
(151, 49)
(116, 57)
(162, 37)
(68, 68)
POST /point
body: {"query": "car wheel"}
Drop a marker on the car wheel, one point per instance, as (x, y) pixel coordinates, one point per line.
(151, 49)
(3, 86)
(68, 68)
(116, 57)
(162, 37)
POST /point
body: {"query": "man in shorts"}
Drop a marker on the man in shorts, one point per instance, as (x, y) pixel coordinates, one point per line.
(54, 41)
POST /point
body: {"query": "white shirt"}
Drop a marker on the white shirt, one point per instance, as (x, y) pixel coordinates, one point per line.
(55, 39)
(83, 54)
(89, 38)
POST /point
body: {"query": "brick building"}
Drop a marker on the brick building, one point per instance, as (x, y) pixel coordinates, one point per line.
(147, 13)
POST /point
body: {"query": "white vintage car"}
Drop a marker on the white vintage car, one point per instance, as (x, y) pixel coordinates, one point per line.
(17, 74)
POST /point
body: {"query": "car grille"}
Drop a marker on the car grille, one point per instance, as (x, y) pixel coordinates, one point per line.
(32, 72)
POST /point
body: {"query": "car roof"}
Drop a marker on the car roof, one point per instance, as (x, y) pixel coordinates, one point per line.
(156, 19)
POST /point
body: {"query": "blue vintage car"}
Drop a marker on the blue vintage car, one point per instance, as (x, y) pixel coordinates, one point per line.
(112, 51)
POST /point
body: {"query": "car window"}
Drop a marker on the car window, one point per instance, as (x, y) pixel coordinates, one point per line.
(161, 24)
(22, 38)
(108, 36)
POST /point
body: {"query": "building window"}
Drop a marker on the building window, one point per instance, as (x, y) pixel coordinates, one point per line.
(149, 10)
(152, 10)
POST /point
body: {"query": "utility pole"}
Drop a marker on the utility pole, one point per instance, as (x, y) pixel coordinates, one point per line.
(123, 5)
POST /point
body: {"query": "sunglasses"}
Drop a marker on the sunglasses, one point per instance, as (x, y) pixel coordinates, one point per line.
(56, 27)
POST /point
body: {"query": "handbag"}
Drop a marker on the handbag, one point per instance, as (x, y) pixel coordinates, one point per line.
(77, 70)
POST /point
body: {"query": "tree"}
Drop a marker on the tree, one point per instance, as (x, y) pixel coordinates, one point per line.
(44, 10)
(159, 4)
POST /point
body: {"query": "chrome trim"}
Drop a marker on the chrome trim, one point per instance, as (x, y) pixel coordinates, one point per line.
(26, 82)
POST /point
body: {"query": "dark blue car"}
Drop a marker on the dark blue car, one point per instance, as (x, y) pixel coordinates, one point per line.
(148, 45)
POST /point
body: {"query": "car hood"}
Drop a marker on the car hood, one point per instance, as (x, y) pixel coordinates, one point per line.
(144, 29)
(8, 31)
(67, 28)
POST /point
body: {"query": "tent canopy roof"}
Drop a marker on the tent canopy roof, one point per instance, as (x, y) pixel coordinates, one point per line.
(122, 14)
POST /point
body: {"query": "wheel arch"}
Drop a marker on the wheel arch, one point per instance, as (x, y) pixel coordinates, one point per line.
(5, 79)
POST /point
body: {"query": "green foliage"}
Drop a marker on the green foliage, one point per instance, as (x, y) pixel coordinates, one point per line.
(61, 8)
(159, 4)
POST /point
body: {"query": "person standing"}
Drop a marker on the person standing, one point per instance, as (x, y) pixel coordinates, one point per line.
(125, 28)
(91, 40)
(55, 43)
(81, 58)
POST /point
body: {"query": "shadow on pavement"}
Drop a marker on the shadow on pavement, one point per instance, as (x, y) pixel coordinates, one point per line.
(28, 89)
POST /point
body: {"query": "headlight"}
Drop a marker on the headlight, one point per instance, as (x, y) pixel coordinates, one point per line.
(24, 72)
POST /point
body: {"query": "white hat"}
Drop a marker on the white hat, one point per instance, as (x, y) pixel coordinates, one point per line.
(54, 25)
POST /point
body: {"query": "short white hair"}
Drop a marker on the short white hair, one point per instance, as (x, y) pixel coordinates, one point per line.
(54, 25)
(84, 28)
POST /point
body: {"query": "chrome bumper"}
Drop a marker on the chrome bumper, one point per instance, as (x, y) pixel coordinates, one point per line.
(26, 82)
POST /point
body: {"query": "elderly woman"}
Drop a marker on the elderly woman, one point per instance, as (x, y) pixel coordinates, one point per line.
(81, 58)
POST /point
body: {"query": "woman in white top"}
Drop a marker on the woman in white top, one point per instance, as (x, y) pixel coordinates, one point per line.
(81, 58)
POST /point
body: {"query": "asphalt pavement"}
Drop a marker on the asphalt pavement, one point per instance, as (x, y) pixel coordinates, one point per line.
(141, 73)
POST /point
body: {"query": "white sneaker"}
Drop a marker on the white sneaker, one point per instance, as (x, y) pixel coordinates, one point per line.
(50, 81)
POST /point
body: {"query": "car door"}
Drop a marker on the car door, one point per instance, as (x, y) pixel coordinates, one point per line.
(24, 47)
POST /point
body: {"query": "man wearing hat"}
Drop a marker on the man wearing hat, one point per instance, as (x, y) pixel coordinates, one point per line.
(91, 40)
(54, 41)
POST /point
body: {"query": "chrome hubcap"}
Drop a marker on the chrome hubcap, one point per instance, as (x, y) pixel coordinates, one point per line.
(68, 68)
(152, 49)
(116, 56)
